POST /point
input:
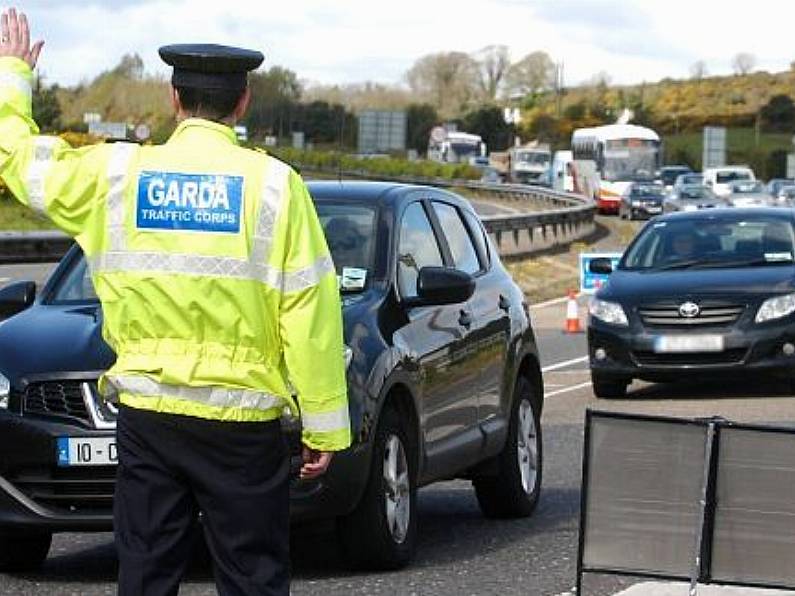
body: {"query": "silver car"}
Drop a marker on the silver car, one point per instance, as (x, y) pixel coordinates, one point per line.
(748, 193)
(692, 197)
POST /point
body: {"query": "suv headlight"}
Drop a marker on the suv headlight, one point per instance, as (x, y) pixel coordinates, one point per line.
(775, 308)
(609, 312)
(5, 391)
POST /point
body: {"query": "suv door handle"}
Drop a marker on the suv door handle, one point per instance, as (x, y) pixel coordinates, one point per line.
(465, 319)
(504, 303)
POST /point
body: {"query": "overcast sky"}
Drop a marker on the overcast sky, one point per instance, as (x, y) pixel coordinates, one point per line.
(349, 41)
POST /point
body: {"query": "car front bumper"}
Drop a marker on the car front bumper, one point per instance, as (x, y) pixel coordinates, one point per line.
(36, 492)
(632, 353)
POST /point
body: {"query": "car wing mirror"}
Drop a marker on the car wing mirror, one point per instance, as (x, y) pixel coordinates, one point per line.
(16, 297)
(600, 265)
(443, 285)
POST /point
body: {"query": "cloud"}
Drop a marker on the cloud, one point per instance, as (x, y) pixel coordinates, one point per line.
(353, 41)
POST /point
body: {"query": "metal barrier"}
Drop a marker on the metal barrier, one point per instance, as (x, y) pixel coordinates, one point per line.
(556, 219)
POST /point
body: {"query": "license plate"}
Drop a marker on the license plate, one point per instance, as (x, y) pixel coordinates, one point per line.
(87, 451)
(653, 209)
(689, 343)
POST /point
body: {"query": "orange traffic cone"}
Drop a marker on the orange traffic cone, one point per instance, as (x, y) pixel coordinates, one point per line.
(572, 314)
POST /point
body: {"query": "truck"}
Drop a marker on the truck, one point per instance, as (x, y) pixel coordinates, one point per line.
(524, 164)
(452, 146)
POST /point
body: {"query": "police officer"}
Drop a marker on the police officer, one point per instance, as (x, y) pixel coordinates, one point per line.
(221, 303)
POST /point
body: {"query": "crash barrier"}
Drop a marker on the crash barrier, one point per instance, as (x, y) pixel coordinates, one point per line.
(33, 247)
(698, 500)
(554, 219)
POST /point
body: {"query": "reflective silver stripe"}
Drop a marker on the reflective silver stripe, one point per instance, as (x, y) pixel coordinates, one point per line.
(163, 262)
(118, 165)
(273, 188)
(43, 149)
(21, 84)
(295, 281)
(221, 397)
(326, 421)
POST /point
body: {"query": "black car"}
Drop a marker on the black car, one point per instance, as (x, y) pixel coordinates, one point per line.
(443, 377)
(641, 200)
(669, 174)
(696, 295)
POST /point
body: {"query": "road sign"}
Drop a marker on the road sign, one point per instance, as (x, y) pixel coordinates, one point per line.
(111, 130)
(714, 147)
(590, 282)
(142, 132)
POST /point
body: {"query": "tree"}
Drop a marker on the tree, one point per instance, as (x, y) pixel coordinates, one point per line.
(421, 118)
(274, 98)
(743, 63)
(46, 107)
(698, 70)
(447, 80)
(488, 122)
(779, 113)
(493, 63)
(532, 74)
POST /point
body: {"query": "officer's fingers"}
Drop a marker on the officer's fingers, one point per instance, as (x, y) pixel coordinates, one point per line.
(33, 56)
(13, 28)
(24, 33)
(4, 27)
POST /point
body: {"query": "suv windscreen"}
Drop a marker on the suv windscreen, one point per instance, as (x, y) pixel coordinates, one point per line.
(75, 286)
(685, 243)
(730, 176)
(350, 234)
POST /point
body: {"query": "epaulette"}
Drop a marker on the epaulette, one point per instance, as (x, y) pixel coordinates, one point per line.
(281, 159)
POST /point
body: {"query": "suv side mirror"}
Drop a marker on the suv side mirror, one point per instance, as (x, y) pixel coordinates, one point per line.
(16, 297)
(600, 265)
(444, 285)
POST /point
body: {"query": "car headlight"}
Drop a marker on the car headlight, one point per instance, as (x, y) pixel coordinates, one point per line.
(609, 312)
(636, 203)
(775, 308)
(346, 350)
(5, 391)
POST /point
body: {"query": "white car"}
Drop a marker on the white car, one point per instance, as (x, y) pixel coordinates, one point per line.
(719, 179)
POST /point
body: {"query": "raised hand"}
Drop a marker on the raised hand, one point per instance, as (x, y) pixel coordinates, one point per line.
(15, 38)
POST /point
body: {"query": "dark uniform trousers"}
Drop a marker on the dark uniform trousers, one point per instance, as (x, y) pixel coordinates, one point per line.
(235, 473)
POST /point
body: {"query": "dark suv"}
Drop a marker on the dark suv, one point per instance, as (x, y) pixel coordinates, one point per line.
(443, 377)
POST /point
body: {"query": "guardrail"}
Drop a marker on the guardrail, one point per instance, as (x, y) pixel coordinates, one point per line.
(557, 219)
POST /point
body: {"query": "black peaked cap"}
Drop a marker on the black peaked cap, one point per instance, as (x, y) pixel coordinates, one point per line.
(210, 66)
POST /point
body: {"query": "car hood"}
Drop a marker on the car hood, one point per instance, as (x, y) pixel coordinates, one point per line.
(646, 286)
(48, 339)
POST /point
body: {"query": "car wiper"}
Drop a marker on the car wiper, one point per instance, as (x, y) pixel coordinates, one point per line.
(678, 265)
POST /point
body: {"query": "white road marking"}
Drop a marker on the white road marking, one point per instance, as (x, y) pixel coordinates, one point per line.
(682, 589)
(567, 389)
(549, 302)
(563, 364)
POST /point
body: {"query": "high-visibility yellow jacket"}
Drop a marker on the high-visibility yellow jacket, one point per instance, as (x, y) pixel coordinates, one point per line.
(218, 291)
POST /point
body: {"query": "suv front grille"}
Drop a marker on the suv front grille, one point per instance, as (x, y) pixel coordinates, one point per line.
(710, 313)
(56, 398)
(88, 489)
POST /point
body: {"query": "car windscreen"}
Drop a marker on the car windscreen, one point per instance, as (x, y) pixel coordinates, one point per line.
(350, 234)
(668, 176)
(74, 286)
(745, 188)
(696, 192)
(713, 243)
(648, 191)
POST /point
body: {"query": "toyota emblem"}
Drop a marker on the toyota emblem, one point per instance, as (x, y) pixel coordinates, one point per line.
(689, 309)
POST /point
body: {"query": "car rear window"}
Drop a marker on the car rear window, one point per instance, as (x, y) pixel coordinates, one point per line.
(726, 177)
